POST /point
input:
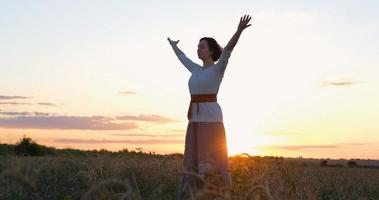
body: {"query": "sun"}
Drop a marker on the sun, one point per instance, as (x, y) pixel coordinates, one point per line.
(249, 143)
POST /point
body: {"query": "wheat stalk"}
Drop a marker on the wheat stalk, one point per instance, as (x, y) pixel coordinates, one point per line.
(20, 178)
(259, 190)
(110, 182)
(25, 181)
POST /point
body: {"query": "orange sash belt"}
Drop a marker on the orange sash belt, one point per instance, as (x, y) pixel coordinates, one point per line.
(196, 98)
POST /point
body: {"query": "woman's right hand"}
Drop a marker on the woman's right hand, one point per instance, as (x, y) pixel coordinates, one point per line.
(172, 42)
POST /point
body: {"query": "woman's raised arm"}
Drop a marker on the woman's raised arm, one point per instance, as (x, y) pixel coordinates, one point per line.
(174, 46)
(188, 63)
(241, 26)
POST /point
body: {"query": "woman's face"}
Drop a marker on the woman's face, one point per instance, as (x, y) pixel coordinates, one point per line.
(203, 50)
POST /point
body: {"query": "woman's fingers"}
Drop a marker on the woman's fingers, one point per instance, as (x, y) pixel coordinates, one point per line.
(172, 41)
(245, 17)
(244, 22)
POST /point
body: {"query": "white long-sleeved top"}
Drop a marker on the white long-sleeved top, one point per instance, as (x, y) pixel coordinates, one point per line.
(206, 81)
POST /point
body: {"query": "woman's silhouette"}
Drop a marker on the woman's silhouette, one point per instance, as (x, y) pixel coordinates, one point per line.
(205, 142)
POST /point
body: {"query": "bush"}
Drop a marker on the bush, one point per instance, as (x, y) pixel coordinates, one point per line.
(6, 149)
(27, 147)
(324, 163)
(352, 163)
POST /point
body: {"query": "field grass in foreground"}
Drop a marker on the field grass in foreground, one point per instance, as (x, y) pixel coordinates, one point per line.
(138, 175)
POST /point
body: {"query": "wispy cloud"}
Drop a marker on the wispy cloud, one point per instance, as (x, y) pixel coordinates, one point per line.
(94, 141)
(66, 122)
(24, 113)
(279, 133)
(46, 104)
(297, 147)
(14, 113)
(43, 113)
(338, 83)
(150, 118)
(128, 92)
(178, 130)
(354, 143)
(14, 103)
(2, 97)
(147, 135)
(41, 120)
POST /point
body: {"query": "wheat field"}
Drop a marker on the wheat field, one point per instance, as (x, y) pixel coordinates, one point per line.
(140, 175)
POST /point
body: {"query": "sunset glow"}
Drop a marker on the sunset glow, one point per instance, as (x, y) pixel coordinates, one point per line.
(302, 81)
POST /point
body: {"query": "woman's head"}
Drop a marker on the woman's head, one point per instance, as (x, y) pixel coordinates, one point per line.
(208, 47)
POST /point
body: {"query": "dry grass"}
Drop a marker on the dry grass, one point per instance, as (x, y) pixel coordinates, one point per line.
(141, 176)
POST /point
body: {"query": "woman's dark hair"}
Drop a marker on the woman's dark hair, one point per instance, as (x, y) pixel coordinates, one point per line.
(213, 46)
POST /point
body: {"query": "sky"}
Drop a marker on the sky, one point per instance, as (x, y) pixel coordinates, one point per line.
(301, 81)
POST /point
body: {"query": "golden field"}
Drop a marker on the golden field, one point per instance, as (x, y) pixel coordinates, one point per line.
(140, 175)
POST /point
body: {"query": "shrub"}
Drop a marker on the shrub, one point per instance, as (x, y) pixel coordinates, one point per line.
(27, 147)
(352, 163)
(324, 163)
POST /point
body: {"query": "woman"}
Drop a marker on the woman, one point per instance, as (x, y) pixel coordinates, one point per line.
(205, 142)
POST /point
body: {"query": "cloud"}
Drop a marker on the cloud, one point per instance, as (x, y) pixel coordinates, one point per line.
(297, 147)
(46, 104)
(354, 143)
(150, 118)
(14, 113)
(24, 113)
(2, 97)
(14, 103)
(94, 141)
(66, 122)
(127, 92)
(43, 113)
(279, 133)
(338, 83)
(43, 120)
(148, 135)
(178, 130)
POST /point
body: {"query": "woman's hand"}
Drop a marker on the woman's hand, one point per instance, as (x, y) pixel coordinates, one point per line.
(241, 26)
(174, 46)
(243, 22)
(172, 42)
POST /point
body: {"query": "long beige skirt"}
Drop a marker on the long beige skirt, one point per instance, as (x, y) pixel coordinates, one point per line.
(205, 152)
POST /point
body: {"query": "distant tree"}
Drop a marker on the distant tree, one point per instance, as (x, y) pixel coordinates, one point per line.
(336, 165)
(27, 147)
(139, 149)
(6, 149)
(324, 163)
(351, 163)
(124, 150)
(104, 151)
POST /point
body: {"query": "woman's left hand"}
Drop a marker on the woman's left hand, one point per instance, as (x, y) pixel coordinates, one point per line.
(243, 22)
